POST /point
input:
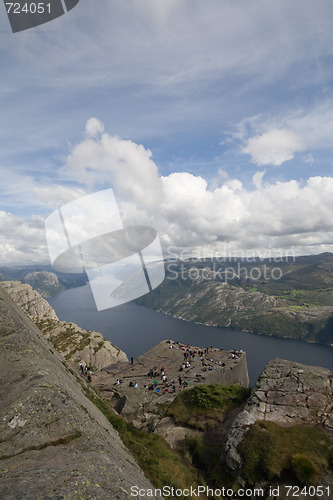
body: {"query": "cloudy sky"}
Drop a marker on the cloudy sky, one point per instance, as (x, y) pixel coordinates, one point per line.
(212, 121)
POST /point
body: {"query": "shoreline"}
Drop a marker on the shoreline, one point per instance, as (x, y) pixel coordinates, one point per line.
(233, 328)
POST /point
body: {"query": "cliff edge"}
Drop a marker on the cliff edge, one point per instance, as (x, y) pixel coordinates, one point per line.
(286, 393)
(74, 343)
(54, 442)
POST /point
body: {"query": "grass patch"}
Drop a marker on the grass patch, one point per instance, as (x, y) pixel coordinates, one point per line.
(206, 402)
(160, 463)
(98, 347)
(269, 451)
(206, 456)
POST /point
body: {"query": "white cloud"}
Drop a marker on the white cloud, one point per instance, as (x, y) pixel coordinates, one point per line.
(188, 213)
(94, 127)
(273, 140)
(273, 147)
(121, 163)
(22, 241)
(257, 178)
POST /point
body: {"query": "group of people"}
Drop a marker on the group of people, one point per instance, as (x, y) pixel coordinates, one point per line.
(85, 370)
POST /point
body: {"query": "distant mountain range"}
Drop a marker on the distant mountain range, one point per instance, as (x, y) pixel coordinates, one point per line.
(288, 297)
(43, 279)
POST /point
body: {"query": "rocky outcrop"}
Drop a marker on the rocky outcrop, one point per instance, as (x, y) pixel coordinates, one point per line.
(54, 443)
(286, 393)
(44, 282)
(29, 300)
(78, 345)
(72, 342)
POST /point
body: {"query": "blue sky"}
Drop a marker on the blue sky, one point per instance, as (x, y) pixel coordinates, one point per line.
(223, 108)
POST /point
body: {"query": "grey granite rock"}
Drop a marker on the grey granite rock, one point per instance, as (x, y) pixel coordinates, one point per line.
(286, 393)
(54, 442)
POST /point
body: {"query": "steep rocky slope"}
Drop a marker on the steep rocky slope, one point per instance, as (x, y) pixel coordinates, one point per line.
(74, 343)
(54, 442)
(29, 300)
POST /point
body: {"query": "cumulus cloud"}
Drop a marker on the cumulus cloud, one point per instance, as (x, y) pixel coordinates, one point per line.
(94, 127)
(22, 241)
(189, 214)
(273, 140)
(273, 147)
(121, 163)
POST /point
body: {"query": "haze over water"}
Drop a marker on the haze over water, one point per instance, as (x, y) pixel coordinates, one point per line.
(137, 329)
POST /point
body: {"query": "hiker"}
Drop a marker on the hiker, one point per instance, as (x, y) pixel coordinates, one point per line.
(81, 367)
(132, 360)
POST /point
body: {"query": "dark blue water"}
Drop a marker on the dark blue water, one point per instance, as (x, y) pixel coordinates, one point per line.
(137, 329)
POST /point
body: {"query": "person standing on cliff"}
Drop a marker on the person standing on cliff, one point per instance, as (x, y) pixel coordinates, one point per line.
(132, 360)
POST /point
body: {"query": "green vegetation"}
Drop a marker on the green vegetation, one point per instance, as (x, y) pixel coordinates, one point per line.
(205, 454)
(65, 338)
(98, 347)
(305, 470)
(270, 451)
(204, 405)
(161, 464)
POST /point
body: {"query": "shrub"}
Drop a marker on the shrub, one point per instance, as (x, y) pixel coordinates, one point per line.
(305, 470)
(268, 450)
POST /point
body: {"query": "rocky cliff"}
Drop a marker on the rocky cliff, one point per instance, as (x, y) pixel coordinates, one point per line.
(29, 300)
(54, 442)
(286, 393)
(74, 343)
(44, 282)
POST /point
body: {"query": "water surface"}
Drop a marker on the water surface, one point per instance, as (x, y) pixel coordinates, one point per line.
(137, 329)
